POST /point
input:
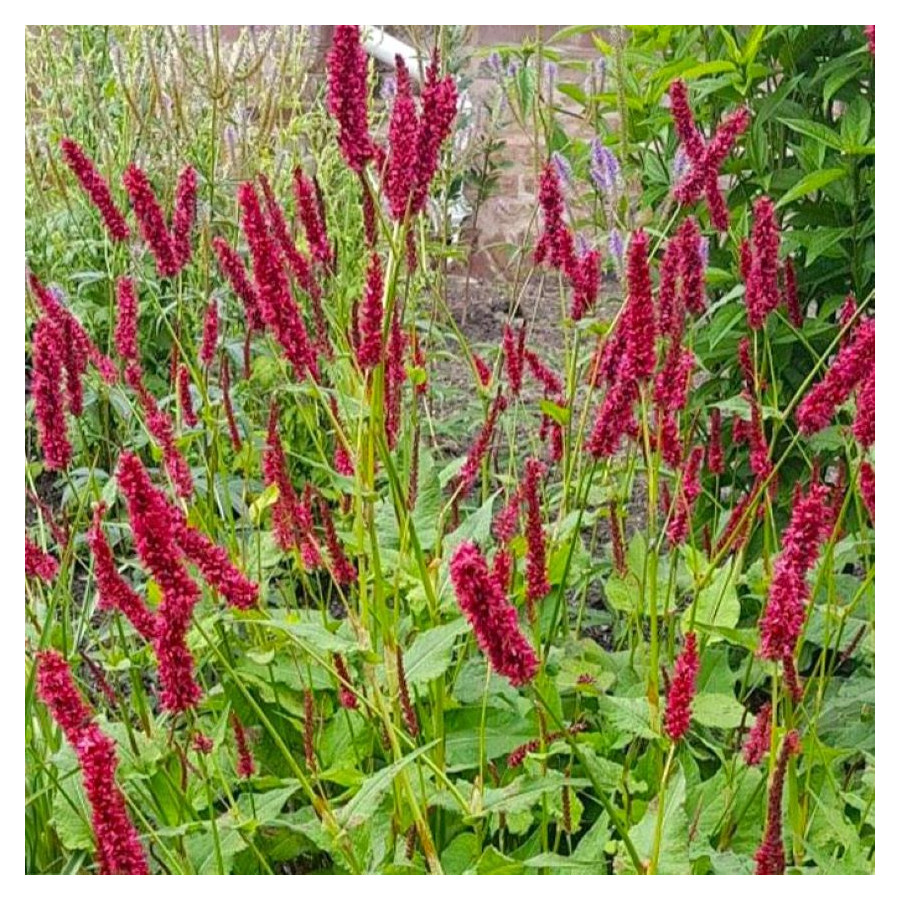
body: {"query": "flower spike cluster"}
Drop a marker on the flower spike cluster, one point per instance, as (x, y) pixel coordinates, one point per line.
(118, 845)
(556, 245)
(682, 689)
(770, 855)
(762, 294)
(492, 618)
(702, 177)
(96, 187)
(279, 311)
(785, 612)
(854, 363)
(347, 96)
(39, 563)
(113, 590)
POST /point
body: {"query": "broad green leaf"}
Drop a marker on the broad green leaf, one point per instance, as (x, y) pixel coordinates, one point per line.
(716, 605)
(72, 817)
(430, 654)
(813, 182)
(628, 715)
(364, 803)
(718, 710)
(816, 130)
(674, 834)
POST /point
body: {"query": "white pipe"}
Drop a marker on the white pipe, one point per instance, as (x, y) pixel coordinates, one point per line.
(378, 43)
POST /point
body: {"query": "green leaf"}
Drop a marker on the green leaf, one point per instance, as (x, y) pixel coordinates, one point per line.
(716, 605)
(718, 710)
(493, 862)
(72, 817)
(674, 835)
(266, 499)
(813, 182)
(628, 715)
(430, 654)
(816, 130)
(855, 123)
(367, 798)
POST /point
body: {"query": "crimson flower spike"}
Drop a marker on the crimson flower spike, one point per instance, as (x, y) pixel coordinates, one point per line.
(705, 159)
(403, 152)
(348, 96)
(119, 850)
(312, 215)
(151, 220)
(96, 188)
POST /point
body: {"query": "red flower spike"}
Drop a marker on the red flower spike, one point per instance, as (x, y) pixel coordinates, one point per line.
(184, 215)
(585, 278)
(762, 295)
(682, 689)
(48, 399)
(705, 158)
(551, 382)
(502, 569)
(638, 317)
(410, 719)
(278, 308)
(760, 463)
(184, 396)
(162, 428)
(493, 620)
(770, 855)
(309, 729)
(864, 423)
(615, 419)
(371, 317)
(537, 585)
(246, 765)
(96, 187)
(297, 262)
(439, 102)
(233, 432)
(348, 95)
(671, 310)
(127, 321)
(854, 362)
(312, 217)
(403, 130)
(514, 352)
(151, 220)
(370, 216)
(556, 246)
(785, 612)
(715, 459)
(286, 509)
(483, 370)
(690, 267)
(217, 569)
(394, 376)
(465, 480)
(38, 563)
(506, 522)
(342, 569)
(760, 737)
(346, 696)
(113, 590)
(119, 850)
(232, 267)
(155, 525)
(210, 333)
